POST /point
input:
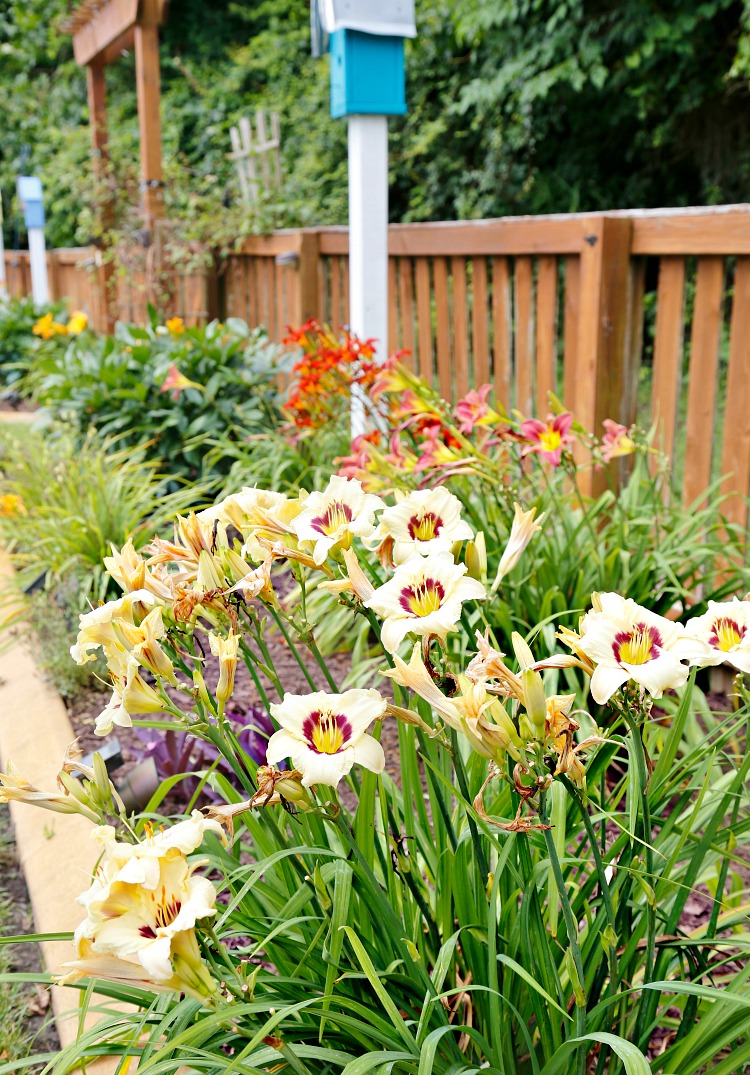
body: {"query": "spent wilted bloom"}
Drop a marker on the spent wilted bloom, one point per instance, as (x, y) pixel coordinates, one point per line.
(548, 438)
(424, 597)
(142, 910)
(725, 630)
(426, 521)
(626, 641)
(521, 532)
(131, 572)
(335, 516)
(325, 734)
(616, 441)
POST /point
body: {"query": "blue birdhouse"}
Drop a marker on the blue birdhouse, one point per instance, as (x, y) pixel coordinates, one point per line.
(366, 41)
(30, 196)
(367, 74)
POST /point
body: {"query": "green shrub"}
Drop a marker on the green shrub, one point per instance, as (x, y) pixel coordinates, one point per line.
(17, 341)
(168, 391)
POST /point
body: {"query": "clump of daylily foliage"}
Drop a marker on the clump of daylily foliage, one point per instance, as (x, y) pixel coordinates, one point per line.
(504, 890)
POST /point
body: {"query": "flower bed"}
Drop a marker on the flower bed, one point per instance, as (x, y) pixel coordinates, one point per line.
(513, 838)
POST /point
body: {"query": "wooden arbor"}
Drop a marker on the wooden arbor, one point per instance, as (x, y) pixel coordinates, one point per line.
(101, 30)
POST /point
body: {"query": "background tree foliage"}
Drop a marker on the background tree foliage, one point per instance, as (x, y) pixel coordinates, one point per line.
(515, 106)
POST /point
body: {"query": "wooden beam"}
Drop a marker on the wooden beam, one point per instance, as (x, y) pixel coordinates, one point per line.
(107, 25)
(96, 86)
(149, 119)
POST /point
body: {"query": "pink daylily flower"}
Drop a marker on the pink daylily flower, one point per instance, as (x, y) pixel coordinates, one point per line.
(616, 441)
(176, 382)
(473, 409)
(548, 438)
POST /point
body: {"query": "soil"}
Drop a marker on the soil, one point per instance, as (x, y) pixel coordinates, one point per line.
(24, 957)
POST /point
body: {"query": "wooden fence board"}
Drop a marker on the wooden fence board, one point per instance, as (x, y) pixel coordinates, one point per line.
(424, 318)
(524, 324)
(393, 333)
(735, 457)
(502, 321)
(406, 301)
(704, 361)
(479, 322)
(570, 331)
(667, 374)
(336, 318)
(546, 327)
(460, 327)
(440, 275)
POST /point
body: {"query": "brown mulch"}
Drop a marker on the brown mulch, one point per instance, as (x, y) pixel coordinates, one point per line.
(25, 957)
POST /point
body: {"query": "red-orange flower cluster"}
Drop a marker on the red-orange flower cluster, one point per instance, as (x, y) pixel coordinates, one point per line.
(330, 366)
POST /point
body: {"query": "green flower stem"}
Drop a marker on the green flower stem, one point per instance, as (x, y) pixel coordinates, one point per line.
(643, 780)
(463, 784)
(289, 641)
(570, 926)
(320, 660)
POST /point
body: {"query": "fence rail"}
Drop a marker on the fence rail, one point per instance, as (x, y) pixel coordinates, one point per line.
(632, 315)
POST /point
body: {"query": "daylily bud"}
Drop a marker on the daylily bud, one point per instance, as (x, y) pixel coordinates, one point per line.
(524, 656)
(475, 558)
(208, 572)
(200, 685)
(536, 703)
(226, 650)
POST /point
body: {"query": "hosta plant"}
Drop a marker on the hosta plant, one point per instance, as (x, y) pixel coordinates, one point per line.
(499, 884)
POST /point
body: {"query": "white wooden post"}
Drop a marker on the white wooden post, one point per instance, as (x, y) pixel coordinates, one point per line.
(38, 260)
(368, 240)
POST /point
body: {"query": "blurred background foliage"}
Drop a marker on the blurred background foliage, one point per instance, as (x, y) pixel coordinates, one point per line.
(514, 107)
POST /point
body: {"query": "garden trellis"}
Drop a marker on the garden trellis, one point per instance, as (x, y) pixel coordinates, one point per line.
(258, 160)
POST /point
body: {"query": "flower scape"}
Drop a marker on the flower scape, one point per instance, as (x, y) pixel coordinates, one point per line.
(488, 896)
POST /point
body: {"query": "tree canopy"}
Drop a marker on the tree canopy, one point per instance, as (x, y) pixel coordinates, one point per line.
(515, 106)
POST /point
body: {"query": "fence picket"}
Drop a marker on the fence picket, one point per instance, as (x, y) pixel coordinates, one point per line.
(479, 322)
(546, 328)
(440, 274)
(424, 318)
(667, 376)
(570, 331)
(460, 327)
(735, 456)
(524, 336)
(704, 361)
(502, 321)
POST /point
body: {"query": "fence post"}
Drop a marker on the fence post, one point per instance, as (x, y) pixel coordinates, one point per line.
(606, 367)
(308, 254)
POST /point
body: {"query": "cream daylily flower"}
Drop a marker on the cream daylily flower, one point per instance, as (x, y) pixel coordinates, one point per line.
(725, 629)
(131, 572)
(142, 909)
(131, 694)
(325, 734)
(425, 522)
(626, 641)
(521, 532)
(95, 627)
(332, 518)
(239, 509)
(142, 642)
(424, 597)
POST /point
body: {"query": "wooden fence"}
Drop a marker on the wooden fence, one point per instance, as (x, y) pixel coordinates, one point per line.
(641, 315)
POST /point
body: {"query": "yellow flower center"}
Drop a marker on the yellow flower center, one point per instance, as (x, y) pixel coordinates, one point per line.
(637, 646)
(550, 440)
(336, 515)
(163, 913)
(726, 634)
(425, 528)
(422, 598)
(326, 732)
